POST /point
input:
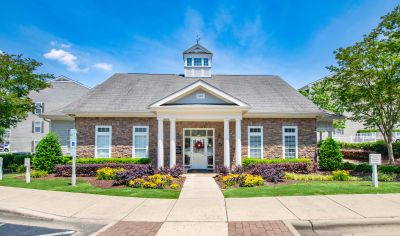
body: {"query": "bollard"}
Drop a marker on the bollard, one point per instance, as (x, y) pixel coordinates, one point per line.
(1, 168)
(28, 170)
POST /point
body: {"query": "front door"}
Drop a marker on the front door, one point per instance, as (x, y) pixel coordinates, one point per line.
(199, 153)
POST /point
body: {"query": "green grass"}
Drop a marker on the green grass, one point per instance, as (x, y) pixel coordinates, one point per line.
(82, 186)
(314, 188)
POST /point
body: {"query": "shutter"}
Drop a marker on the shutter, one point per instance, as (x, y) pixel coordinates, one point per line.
(42, 107)
(33, 146)
(42, 122)
(33, 126)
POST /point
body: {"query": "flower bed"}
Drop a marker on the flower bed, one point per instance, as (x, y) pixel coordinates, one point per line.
(116, 160)
(90, 170)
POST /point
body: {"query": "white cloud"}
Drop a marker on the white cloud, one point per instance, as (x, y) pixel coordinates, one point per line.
(65, 58)
(1, 52)
(103, 66)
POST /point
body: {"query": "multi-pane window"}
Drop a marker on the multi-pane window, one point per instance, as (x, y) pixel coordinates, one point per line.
(103, 141)
(197, 61)
(338, 131)
(38, 107)
(188, 61)
(140, 141)
(289, 141)
(205, 61)
(37, 127)
(255, 142)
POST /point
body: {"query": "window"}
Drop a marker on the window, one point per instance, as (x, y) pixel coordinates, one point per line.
(197, 62)
(38, 107)
(37, 127)
(255, 141)
(140, 141)
(205, 61)
(103, 141)
(338, 131)
(289, 141)
(201, 96)
(188, 61)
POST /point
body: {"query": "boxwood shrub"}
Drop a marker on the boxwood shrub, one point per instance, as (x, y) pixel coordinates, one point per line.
(364, 167)
(330, 155)
(14, 159)
(248, 161)
(115, 160)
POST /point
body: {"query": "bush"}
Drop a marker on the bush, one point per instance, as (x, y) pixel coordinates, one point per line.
(330, 157)
(301, 168)
(48, 153)
(390, 177)
(153, 181)
(175, 171)
(117, 160)
(364, 167)
(243, 180)
(356, 154)
(90, 170)
(249, 161)
(222, 170)
(252, 180)
(107, 173)
(13, 160)
(238, 170)
(341, 175)
(38, 173)
(175, 186)
(308, 177)
(271, 173)
(375, 147)
(133, 172)
(232, 179)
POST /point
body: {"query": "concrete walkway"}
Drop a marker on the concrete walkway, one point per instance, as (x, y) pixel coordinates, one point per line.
(201, 208)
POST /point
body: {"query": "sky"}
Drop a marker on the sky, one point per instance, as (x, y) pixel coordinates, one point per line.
(88, 41)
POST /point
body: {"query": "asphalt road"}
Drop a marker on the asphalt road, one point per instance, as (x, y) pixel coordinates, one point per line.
(18, 225)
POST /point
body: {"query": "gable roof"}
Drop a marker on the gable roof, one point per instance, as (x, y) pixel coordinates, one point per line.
(197, 48)
(134, 93)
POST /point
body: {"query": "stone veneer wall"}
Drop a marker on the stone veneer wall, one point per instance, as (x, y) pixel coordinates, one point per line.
(122, 136)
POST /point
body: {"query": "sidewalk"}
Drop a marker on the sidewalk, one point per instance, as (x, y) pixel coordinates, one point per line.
(201, 208)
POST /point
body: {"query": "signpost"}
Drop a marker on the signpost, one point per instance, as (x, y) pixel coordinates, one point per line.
(72, 142)
(1, 168)
(374, 161)
(27, 163)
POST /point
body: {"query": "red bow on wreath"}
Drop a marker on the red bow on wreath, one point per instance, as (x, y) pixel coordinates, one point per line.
(198, 145)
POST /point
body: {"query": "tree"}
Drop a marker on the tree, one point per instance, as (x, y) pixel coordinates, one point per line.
(48, 153)
(330, 155)
(17, 80)
(366, 79)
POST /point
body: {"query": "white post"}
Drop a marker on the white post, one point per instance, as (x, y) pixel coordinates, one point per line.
(1, 168)
(374, 175)
(375, 160)
(27, 162)
(226, 144)
(72, 140)
(238, 148)
(160, 143)
(172, 143)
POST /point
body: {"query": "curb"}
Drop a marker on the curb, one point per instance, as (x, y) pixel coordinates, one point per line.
(291, 228)
(32, 214)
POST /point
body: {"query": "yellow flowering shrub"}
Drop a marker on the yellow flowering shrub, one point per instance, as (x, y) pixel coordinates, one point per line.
(152, 181)
(253, 180)
(175, 186)
(107, 173)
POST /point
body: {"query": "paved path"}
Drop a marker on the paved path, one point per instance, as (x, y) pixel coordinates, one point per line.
(200, 209)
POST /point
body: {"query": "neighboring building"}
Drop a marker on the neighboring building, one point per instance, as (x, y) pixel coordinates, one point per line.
(26, 135)
(197, 119)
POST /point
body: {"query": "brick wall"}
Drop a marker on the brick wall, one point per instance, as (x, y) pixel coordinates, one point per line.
(122, 136)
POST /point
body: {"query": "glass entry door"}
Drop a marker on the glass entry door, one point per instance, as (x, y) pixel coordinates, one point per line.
(199, 153)
(199, 149)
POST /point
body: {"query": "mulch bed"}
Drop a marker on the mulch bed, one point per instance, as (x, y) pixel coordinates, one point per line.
(218, 180)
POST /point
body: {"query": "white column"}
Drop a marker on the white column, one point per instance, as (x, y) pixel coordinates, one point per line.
(172, 143)
(160, 143)
(238, 147)
(227, 161)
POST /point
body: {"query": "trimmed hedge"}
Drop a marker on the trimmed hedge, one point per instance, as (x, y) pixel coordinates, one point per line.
(330, 155)
(15, 159)
(252, 161)
(89, 170)
(367, 168)
(116, 160)
(356, 154)
(377, 147)
(295, 167)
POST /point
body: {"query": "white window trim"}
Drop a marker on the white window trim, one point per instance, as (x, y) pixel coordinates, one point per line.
(262, 140)
(40, 127)
(296, 138)
(147, 140)
(41, 108)
(110, 139)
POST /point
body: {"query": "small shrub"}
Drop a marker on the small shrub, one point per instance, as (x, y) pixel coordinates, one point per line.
(48, 153)
(308, 177)
(107, 173)
(232, 179)
(391, 177)
(134, 172)
(252, 161)
(38, 173)
(153, 181)
(356, 154)
(348, 166)
(175, 171)
(238, 170)
(253, 180)
(341, 175)
(330, 156)
(136, 183)
(222, 170)
(271, 173)
(175, 186)
(116, 160)
(12, 160)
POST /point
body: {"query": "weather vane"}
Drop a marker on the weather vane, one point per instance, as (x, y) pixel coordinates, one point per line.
(197, 39)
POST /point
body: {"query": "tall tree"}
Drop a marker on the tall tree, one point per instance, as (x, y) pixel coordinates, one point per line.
(18, 78)
(366, 79)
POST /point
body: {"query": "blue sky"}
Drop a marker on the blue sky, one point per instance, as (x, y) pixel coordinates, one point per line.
(90, 40)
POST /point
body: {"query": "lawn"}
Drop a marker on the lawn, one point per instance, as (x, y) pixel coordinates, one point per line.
(314, 188)
(82, 186)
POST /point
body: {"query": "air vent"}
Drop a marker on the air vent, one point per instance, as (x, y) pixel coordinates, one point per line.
(200, 96)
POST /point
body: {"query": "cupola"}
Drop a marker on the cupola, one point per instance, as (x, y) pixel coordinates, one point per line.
(197, 61)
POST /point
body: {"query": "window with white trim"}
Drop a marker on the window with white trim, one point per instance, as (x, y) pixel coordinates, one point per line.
(197, 61)
(103, 141)
(188, 61)
(289, 134)
(38, 108)
(255, 140)
(37, 127)
(205, 61)
(140, 146)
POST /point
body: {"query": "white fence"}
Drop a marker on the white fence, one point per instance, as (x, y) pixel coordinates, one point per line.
(365, 137)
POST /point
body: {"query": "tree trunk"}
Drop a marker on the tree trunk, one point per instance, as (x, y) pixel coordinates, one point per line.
(390, 152)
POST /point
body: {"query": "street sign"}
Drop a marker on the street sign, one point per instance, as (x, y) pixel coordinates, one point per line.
(374, 161)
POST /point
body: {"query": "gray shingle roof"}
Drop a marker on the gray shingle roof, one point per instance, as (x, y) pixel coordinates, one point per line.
(197, 48)
(135, 92)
